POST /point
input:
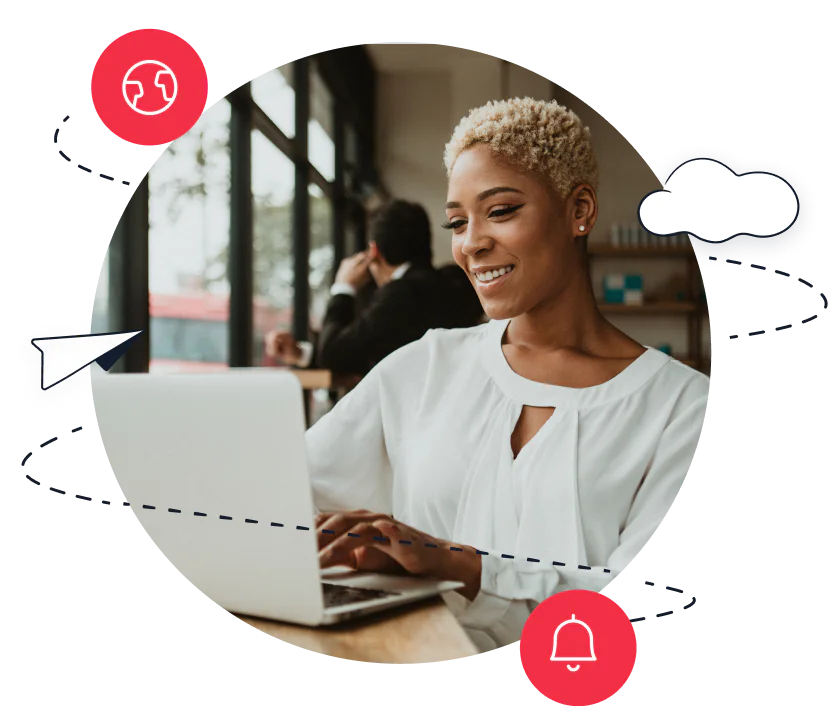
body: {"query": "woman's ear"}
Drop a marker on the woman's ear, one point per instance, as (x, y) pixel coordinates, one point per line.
(584, 209)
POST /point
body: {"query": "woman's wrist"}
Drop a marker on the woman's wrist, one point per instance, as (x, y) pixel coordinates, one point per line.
(465, 566)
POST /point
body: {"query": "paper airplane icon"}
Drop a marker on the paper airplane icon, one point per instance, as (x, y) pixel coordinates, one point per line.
(63, 356)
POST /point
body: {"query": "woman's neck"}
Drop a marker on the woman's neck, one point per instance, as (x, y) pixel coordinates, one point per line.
(569, 320)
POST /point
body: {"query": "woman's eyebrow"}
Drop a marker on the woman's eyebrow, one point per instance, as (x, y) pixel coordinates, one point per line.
(486, 195)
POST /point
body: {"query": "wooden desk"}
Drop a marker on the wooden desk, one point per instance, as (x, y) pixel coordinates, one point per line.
(422, 632)
(312, 379)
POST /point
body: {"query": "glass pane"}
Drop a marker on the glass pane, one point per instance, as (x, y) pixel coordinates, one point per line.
(273, 92)
(99, 318)
(351, 146)
(272, 183)
(349, 238)
(321, 254)
(189, 237)
(321, 143)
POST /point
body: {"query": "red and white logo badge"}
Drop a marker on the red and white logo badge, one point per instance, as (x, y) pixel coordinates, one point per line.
(578, 648)
(149, 87)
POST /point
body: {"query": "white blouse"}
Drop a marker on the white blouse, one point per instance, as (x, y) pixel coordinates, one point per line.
(425, 437)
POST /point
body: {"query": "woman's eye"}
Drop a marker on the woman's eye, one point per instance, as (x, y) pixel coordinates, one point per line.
(455, 224)
(504, 211)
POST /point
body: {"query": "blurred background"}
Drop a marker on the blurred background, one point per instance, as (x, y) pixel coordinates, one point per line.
(240, 225)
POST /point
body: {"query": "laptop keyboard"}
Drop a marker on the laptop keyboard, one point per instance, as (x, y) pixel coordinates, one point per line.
(335, 595)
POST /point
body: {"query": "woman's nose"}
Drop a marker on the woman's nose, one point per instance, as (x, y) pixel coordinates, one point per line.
(474, 241)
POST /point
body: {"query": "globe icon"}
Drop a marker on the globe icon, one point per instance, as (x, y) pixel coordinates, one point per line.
(149, 87)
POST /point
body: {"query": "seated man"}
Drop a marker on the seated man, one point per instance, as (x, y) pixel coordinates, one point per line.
(411, 297)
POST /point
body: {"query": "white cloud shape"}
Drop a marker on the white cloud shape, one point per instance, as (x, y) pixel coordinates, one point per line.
(707, 199)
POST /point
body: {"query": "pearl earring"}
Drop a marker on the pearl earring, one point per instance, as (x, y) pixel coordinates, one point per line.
(581, 228)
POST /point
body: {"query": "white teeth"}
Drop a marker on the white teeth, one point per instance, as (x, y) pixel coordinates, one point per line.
(492, 274)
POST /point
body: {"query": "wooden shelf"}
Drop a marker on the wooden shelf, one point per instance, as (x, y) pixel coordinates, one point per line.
(654, 308)
(597, 250)
(694, 310)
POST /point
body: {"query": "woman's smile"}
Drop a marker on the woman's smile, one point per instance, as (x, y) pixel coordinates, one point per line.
(491, 278)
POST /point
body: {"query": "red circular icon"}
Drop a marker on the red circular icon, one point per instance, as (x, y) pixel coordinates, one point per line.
(578, 648)
(149, 87)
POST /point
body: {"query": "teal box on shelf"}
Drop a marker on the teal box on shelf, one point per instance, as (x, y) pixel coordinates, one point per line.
(622, 289)
(633, 282)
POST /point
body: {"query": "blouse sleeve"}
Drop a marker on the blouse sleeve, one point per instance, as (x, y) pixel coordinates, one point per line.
(510, 590)
(350, 450)
(346, 454)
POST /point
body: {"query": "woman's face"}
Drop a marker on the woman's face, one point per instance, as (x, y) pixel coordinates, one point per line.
(510, 233)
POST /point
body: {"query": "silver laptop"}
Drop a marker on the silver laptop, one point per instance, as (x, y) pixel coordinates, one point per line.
(214, 467)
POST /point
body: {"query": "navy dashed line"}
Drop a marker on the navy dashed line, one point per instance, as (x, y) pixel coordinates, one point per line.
(636, 620)
(756, 333)
(83, 497)
(733, 262)
(667, 612)
(33, 480)
(25, 459)
(65, 156)
(807, 284)
(56, 490)
(782, 328)
(784, 274)
(675, 590)
(76, 429)
(378, 539)
(85, 168)
(758, 267)
(48, 442)
(89, 171)
(811, 318)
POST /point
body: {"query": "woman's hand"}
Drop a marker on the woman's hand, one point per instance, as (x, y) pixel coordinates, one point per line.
(369, 541)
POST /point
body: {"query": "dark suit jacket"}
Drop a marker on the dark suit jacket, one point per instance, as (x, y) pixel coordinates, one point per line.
(398, 313)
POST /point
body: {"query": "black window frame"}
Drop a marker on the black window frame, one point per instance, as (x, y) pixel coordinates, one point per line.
(349, 74)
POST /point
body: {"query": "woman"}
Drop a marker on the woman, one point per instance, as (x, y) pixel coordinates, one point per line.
(545, 434)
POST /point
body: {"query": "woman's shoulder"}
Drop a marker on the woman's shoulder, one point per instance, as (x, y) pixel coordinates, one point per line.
(682, 381)
(437, 348)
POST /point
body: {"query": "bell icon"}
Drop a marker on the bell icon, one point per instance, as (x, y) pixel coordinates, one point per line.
(573, 648)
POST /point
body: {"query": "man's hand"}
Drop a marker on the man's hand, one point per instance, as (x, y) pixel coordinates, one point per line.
(282, 345)
(354, 271)
(368, 541)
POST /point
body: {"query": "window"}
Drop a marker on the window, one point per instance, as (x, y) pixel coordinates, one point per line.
(351, 146)
(198, 190)
(99, 319)
(190, 340)
(272, 184)
(321, 141)
(274, 94)
(349, 238)
(189, 237)
(321, 253)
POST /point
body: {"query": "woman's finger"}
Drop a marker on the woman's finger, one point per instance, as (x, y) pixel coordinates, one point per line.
(339, 523)
(414, 551)
(372, 559)
(334, 527)
(360, 535)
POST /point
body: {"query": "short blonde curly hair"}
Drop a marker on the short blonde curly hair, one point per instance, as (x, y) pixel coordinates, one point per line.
(537, 136)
